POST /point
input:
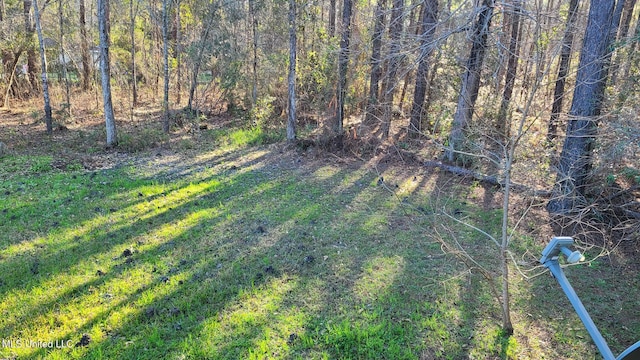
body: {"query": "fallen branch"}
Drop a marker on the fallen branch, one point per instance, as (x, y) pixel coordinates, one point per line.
(633, 214)
(623, 192)
(486, 179)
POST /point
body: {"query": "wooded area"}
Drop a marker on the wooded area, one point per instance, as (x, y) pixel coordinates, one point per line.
(463, 73)
(538, 98)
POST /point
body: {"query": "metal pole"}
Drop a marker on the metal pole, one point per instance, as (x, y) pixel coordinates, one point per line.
(557, 272)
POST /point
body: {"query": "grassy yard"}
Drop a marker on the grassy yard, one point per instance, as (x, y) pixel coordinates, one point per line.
(257, 252)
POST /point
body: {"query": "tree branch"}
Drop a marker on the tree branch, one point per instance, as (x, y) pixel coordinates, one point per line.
(486, 179)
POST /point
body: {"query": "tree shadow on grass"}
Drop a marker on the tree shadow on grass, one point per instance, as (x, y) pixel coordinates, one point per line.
(268, 260)
(61, 253)
(222, 275)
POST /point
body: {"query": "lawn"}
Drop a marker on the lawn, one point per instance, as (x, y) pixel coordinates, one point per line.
(242, 250)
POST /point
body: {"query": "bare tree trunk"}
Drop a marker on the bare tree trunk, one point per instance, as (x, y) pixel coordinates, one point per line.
(625, 23)
(470, 80)
(63, 59)
(429, 22)
(507, 325)
(503, 124)
(105, 72)
(87, 63)
(396, 26)
(45, 80)
(254, 68)
(132, 36)
(165, 58)
(157, 40)
(343, 63)
(430, 93)
(332, 18)
(204, 37)
(372, 112)
(412, 29)
(291, 116)
(630, 61)
(575, 159)
(11, 78)
(31, 53)
(178, 54)
(9, 60)
(563, 70)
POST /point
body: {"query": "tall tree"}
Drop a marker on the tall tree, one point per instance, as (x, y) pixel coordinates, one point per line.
(254, 47)
(415, 12)
(291, 113)
(9, 57)
(87, 63)
(631, 56)
(623, 30)
(372, 112)
(178, 52)
(625, 22)
(165, 58)
(343, 64)
(470, 79)
(389, 86)
(63, 59)
(575, 159)
(197, 62)
(503, 124)
(563, 70)
(43, 61)
(105, 72)
(133, 12)
(332, 18)
(428, 20)
(31, 53)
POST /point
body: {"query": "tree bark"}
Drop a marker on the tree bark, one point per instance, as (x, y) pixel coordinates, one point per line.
(9, 59)
(31, 53)
(623, 30)
(178, 54)
(396, 26)
(87, 63)
(575, 159)
(625, 22)
(631, 59)
(132, 36)
(65, 73)
(503, 124)
(45, 81)
(291, 113)
(563, 70)
(343, 63)
(412, 29)
(429, 22)
(254, 67)
(470, 80)
(332, 18)
(372, 112)
(165, 58)
(105, 72)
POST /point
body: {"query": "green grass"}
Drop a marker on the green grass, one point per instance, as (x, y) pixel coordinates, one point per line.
(240, 255)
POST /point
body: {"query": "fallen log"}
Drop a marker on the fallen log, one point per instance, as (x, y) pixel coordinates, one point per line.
(487, 179)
